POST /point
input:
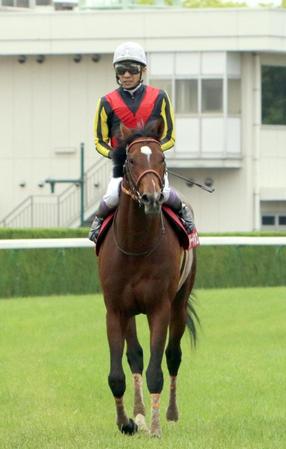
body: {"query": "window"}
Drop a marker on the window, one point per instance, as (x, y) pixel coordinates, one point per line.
(268, 220)
(212, 96)
(275, 221)
(165, 84)
(282, 220)
(16, 3)
(186, 96)
(233, 96)
(273, 95)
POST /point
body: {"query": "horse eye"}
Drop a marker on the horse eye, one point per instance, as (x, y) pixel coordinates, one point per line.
(131, 161)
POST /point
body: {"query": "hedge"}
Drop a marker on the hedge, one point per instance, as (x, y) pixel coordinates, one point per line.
(39, 233)
(42, 272)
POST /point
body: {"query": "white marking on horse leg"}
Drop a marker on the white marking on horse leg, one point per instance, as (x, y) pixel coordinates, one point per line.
(155, 415)
(139, 407)
(141, 423)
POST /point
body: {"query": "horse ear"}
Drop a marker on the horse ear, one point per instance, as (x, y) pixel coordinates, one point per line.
(125, 132)
(157, 127)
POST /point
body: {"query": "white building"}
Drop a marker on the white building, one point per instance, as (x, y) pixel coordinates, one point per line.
(224, 69)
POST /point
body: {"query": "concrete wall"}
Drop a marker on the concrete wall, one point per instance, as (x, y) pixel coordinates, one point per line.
(158, 30)
(46, 111)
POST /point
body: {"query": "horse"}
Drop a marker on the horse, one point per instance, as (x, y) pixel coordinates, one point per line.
(139, 270)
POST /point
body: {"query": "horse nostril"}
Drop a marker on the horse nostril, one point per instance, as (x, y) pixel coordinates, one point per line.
(145, 198)
(161, 198)
(150, 198)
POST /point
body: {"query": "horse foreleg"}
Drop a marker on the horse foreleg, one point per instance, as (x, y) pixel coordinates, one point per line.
(158, 322)
(116, 327)
(174, 356)
(135, 360)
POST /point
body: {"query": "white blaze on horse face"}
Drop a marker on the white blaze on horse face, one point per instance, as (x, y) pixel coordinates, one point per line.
(147, 151)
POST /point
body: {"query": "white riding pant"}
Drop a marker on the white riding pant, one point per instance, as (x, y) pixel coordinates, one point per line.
(111, 197)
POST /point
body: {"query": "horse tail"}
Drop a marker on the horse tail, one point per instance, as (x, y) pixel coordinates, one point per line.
(192, 319)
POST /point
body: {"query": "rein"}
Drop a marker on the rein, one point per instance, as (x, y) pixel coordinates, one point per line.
(147, 252)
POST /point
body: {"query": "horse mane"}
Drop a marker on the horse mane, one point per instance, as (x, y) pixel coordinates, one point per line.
(119, 154)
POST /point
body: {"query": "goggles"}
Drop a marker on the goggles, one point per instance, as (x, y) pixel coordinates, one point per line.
(132, 68)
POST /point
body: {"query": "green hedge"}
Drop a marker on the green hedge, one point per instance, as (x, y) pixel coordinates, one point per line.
(39, 233)
(41, 272)
(42, 233)
(241, 266)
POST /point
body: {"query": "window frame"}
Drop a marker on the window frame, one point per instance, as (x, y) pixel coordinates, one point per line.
(276, 226)
(269, 125)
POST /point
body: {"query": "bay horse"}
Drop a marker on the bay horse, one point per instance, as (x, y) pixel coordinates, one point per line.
(139, 269)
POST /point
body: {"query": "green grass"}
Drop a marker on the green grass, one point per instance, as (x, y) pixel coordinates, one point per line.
(231, 390)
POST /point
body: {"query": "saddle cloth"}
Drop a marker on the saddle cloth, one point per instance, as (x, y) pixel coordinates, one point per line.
(187, 241)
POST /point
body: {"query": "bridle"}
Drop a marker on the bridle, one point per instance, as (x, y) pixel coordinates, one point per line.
(133, 192)
(134, 184)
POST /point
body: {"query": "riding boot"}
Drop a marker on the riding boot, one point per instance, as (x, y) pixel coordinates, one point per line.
(186, 217)
(183, 211)
(102, 212)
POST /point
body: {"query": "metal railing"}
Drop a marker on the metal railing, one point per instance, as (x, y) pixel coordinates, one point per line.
(128, 4)
(61, 210)
(85, 243)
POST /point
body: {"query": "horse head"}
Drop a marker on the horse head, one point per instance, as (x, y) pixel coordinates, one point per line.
(144, 166)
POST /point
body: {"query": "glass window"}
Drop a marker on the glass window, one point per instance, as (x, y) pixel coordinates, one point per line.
(273, 95)
(234, 96)
(186, 96)
(165, 84)
(282, 220)
(212, 95)
(268, 220)
(22, 3)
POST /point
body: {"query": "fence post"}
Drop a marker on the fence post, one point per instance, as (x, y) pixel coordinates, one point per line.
(82, 184)
(32, 211)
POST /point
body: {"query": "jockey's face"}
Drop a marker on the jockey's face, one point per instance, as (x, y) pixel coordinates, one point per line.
(128, 79)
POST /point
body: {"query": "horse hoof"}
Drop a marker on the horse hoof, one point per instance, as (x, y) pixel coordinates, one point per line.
(141, 423)
(130, 428)
(172, 414)
(156, 433)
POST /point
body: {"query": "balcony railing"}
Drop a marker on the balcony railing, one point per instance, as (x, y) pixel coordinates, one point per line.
(63, 210)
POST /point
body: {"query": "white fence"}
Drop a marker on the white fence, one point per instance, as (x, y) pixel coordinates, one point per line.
(85, 243)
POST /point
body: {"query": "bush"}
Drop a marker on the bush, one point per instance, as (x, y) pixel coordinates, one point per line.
(41, 272)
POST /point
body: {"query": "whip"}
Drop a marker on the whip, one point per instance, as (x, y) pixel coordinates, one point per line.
(192, 182)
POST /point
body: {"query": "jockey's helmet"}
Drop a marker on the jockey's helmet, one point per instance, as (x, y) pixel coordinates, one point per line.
(130, 51)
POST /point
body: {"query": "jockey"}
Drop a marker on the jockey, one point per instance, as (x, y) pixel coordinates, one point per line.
(133, 104)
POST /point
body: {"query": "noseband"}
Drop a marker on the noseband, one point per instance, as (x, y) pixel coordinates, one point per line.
(135, 183)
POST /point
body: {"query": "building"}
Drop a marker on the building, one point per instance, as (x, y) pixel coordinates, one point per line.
(224, 69)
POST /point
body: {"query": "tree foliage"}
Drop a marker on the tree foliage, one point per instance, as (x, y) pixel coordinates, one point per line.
(194, 3)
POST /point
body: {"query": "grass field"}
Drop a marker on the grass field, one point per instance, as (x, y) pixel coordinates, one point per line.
(231, 390)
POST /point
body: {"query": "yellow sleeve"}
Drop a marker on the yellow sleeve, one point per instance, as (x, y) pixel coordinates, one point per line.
(101, 131)
(167, 113)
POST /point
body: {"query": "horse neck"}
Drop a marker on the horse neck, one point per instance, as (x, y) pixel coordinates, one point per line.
(142, 229)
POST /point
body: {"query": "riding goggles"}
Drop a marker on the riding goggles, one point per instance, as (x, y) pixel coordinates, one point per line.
(132, 68)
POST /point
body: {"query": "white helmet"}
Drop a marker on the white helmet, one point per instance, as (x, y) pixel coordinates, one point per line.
(129, 51)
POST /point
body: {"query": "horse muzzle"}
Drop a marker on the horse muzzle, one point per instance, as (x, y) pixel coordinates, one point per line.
(152, 202)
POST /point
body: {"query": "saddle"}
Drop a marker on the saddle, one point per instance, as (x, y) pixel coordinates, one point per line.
(187, 241)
